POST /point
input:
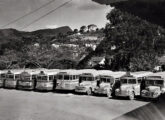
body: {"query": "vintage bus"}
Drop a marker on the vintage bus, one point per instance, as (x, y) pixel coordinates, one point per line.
(67, 79)
(153, 86)
(87, 82)
(130, 84)
(2, 77)
(11, 79)
(107, 81)
(45, 80)
(28, 79)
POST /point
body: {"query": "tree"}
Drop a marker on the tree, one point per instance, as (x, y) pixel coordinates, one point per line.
(75, 31)
(136, 41)
(83, 29)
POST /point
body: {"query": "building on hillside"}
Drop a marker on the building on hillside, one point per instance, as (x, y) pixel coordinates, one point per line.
(55, 46)
(37, 45)
(96, 61)
(90, 45)
(65, 45)
(91, 38)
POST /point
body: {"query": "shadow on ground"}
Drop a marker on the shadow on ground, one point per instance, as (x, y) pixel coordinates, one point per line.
(152, 111)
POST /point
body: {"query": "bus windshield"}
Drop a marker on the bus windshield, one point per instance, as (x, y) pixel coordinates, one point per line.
(124, 81)
(132, 81)
(10, 76)
(60, 77)
(159, 82)
(66, 77)
(26, 78)
(155, 82)
(105, 80)
(42, 78)
(86, 78)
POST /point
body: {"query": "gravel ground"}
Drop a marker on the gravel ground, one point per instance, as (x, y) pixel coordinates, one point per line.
(28, 105)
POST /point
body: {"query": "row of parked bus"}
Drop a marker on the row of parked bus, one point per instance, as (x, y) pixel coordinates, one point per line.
(89, 81)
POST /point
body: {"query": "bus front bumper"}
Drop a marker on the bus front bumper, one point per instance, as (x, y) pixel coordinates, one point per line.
(121, 93)
(148, 94)
(44, 86)
(81, 89)
(100, 91)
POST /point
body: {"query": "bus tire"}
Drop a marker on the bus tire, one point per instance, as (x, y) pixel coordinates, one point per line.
(89, 91)
(109, 94)
(131, 95)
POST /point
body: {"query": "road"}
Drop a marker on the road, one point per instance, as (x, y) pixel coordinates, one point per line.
(29, 105)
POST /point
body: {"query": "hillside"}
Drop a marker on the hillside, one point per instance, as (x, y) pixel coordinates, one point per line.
(49, 48)
(7, 35)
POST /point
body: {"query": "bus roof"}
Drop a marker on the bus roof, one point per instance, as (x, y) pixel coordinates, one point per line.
(105, 72)
(157, 75)
(47, 73)
(118, 74)
(70, 72)
(140, 74)
(14, 71)
(90, 72)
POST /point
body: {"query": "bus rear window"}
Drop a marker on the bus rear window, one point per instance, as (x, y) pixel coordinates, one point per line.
(150, 82)
(43, 78)
(89, 79)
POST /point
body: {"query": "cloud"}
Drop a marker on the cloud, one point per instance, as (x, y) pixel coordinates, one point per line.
(51, 26)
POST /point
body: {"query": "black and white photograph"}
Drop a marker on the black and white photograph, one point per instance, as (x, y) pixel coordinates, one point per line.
(82, 60)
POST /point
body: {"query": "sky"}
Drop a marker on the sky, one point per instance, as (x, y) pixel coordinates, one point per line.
(75, 14)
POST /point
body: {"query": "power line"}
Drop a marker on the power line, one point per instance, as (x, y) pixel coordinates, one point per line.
(46, 14)
(28, 13)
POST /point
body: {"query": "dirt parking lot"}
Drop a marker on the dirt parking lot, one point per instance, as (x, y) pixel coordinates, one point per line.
(29, 105)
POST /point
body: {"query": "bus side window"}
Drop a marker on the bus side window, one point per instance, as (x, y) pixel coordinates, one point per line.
(51, 77)
(70, 77)
(139, 80)
(17, 76)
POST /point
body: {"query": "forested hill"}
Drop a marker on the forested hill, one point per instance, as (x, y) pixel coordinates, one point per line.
(7, 35)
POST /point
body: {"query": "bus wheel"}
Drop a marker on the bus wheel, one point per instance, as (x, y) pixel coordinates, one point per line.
(131, 95)
(89, 91)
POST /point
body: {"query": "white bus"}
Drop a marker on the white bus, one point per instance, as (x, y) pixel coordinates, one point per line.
(130, 84)
(107, 81)
(2, 78)
(67, 79)
(12, 77)
(153, 86)
(28, 79)
(87, 81)
(45, 80)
